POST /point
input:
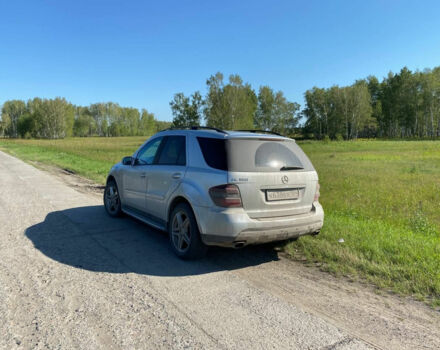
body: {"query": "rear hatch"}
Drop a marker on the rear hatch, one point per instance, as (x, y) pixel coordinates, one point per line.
(275, 177)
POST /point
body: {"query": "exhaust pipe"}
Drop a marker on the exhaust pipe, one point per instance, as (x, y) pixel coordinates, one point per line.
(239, 244)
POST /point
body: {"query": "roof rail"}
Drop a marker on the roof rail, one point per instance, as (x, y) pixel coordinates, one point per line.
(195, 127)
(262, 131)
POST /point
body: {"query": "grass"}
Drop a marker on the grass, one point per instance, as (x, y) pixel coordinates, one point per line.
(381, 197)
(91, 157)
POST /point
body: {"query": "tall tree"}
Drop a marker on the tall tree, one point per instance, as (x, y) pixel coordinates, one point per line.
(431, 102)
(147, 123)
(317, 111)
(274, 112)
(54, 118)
(11, 112)
(187, 111)
(264, 115)
(214, 113)
(231, 106)
(99, 114)
(84, 124)
(26, 125)
(360, 107)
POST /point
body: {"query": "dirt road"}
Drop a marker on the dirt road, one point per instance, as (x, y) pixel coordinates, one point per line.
(73, 278)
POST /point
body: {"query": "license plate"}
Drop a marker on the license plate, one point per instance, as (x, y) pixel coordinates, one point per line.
(280, 195)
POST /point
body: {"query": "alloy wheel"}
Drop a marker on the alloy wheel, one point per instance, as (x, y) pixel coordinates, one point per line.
(112, 199)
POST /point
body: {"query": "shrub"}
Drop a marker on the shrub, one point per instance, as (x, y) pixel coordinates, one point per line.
(326, 139)
(339, 137)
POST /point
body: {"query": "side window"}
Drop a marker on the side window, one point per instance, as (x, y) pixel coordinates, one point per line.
(173, 151)
(214, 152)
(148, 153)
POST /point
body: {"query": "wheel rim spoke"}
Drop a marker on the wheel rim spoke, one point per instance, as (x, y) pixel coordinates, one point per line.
(179, 220)
(185, 224)
(180, 231)
(185, 231)
(180, 243)
(185, 239)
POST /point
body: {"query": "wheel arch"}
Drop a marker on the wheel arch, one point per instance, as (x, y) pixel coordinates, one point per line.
(109, 178)
(174, 203)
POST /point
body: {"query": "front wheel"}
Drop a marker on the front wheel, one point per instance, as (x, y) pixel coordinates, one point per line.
(184, 233)
(112, 201)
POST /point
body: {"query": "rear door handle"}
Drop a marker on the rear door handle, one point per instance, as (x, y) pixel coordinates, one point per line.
(177, 175)
(143, 175)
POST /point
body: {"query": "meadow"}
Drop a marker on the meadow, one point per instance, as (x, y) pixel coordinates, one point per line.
(381, 197)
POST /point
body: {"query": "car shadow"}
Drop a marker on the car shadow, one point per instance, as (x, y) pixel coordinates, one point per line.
(87, 238)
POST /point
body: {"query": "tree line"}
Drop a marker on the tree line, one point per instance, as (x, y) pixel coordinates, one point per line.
(403, 105)
(57, 118)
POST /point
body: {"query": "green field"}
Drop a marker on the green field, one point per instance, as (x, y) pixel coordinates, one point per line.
(381, 197)
(91, 157)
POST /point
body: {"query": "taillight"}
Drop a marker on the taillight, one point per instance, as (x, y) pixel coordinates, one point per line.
(226, 196)
(317, 194)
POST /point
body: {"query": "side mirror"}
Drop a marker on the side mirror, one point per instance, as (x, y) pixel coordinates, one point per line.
(127, 160)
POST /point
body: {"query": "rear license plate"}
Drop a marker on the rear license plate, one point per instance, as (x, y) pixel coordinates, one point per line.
(280, 195)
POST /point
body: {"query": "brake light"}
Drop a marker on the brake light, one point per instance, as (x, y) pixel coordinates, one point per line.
(227, 196)
(317, 193)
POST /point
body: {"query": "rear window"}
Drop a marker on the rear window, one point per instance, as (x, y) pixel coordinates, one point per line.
(275, 155)
(254, 155)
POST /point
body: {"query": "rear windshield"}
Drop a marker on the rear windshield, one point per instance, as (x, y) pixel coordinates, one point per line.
(254, 155)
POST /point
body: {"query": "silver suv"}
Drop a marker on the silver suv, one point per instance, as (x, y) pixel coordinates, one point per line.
(208, 186)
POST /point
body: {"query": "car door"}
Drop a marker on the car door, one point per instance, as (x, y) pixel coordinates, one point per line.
(135, 175)
(165, 175)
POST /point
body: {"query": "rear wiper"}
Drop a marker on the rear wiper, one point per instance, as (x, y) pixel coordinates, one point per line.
(291, 168)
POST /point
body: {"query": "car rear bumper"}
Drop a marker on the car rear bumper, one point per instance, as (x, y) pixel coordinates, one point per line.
(234, 227)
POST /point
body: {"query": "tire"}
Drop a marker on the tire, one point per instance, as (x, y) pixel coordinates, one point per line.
(184, 233)
(112, 201)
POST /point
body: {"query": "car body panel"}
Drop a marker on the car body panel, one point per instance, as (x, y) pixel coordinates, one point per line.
(162, 181)
(134, 186)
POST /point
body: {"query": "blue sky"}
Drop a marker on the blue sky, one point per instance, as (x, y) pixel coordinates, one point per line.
(139, 53)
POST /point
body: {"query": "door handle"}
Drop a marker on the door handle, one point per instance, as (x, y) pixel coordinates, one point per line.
(143, 175)
(177, 175)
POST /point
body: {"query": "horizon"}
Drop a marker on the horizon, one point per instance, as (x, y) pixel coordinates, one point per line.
(140, 55)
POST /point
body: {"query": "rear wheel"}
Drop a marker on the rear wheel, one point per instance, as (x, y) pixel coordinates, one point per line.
(184, 233)
(112, 201)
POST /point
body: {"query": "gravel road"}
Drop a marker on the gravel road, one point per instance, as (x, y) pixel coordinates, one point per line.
(73, 278)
